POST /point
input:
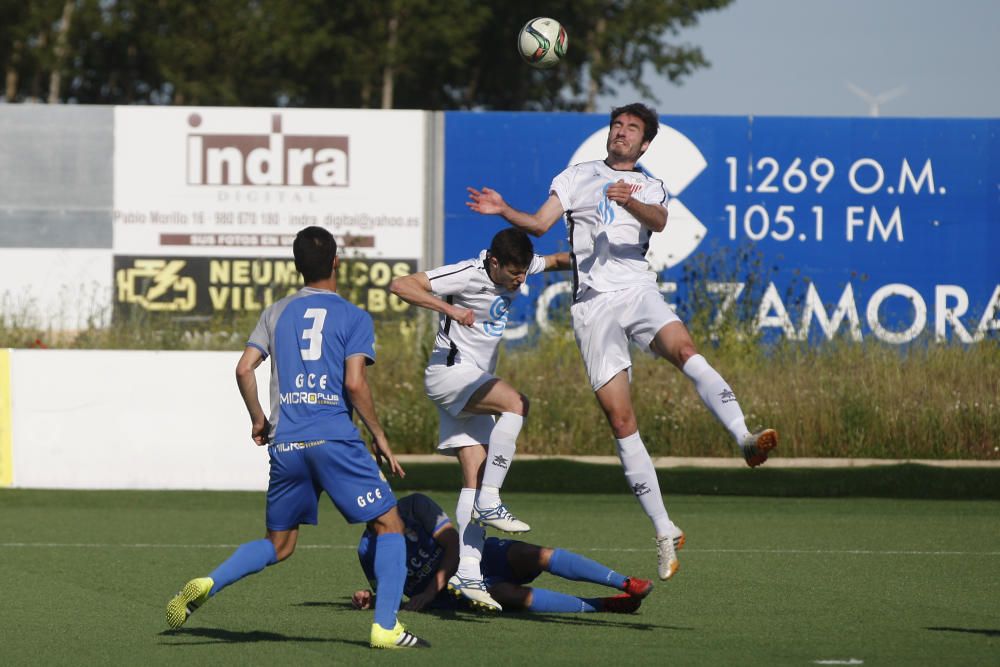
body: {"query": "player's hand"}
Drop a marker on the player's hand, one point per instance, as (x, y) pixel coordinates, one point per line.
(620, 192)
(260, 432)
(418, 601)
(383, 454)
(463, 316)
(362, 599)
(486, 201)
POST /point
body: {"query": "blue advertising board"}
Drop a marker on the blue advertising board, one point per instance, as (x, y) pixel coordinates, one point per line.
(815, 228)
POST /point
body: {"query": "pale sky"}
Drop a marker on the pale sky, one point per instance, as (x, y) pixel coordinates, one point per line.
(796, 57)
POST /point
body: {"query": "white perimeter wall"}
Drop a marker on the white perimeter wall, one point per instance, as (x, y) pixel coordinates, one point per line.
(59, 289)
(98, 419)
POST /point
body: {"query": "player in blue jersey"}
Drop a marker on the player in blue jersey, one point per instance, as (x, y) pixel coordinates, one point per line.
(320, 346)
(508, 566)
(480, 416)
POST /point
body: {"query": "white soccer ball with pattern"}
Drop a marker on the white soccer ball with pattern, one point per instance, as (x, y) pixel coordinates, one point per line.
(542, 42)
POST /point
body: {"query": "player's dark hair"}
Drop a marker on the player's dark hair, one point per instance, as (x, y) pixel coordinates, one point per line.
(650, 121)
(512, 247)
(314, 249)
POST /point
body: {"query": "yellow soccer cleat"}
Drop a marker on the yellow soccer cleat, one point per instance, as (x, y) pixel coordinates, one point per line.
(188, 599)
(398, 637)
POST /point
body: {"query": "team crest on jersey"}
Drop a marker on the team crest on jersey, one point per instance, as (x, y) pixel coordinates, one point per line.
(499, 312)
(606, 207)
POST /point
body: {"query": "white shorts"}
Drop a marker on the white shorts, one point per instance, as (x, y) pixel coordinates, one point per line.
(605, 322)
(450, 388)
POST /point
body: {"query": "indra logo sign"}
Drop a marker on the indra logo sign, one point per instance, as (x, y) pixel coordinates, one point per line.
(676, 161)
(266, 159)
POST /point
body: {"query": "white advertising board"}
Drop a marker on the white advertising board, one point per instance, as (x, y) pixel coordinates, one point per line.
(99, 419)
(242, 181)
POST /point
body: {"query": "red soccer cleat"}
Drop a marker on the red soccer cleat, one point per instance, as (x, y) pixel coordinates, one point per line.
(621, 604)
(638, 588)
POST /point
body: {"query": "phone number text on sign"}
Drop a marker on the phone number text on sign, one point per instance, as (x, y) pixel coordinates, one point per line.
(785, 222)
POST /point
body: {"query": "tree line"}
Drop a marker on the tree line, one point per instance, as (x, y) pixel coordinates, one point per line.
(403, 54)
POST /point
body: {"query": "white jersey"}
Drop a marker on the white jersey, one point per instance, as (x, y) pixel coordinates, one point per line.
(608, 244)
(468, 285)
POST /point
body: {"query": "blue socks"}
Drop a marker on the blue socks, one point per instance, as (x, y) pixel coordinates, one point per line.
(543, 600)
(390, 575)
(569, 565)
(247, 559)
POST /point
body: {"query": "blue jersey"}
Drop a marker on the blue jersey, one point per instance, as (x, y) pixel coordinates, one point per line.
(422, 519)
(309, 336)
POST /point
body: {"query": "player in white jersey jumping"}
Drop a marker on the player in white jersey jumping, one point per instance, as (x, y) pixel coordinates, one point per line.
(480, 414)
(611, 209)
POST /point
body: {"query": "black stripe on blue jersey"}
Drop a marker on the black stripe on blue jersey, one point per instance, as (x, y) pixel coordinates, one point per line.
(572, 256)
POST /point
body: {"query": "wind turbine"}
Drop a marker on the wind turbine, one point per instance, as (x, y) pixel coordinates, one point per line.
(875, 100)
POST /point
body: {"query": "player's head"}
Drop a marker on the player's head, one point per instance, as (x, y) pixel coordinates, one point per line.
(315, 252)
(509, 257)
(631, 130)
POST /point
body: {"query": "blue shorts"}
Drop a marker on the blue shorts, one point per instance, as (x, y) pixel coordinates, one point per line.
(496, 566)
(342, 468)
(496, 570)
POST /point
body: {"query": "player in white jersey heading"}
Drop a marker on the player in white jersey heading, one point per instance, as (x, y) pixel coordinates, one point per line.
(612, 208)
(480, 414)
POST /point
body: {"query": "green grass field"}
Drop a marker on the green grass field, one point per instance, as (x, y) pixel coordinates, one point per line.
(789, 581)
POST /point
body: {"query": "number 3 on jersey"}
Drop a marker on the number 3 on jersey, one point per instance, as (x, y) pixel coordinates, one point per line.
(314, 334)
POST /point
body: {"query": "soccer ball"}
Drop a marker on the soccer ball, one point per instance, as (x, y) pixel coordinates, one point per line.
(542, 42)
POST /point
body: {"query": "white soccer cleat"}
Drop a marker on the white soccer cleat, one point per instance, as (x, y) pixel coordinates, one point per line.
(499, 517)
(756, 446)
(666, 554)
(473, 590)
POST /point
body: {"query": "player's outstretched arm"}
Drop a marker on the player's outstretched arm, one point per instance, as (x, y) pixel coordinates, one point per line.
(489, 202)
(360, 394)
(416, 289)
(246, 380)
(447, 537)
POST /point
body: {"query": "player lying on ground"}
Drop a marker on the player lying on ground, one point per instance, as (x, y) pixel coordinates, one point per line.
(319, 345)
(612, 208)
(508, 566)
(480, 415)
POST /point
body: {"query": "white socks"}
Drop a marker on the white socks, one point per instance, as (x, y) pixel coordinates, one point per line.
(641, 476)
(471, 537)
(716, 395)
(503, 441)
